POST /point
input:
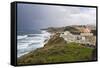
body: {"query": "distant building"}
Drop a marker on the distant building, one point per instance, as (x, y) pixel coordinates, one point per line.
(86, 32)
(71, 37)
(85, 36)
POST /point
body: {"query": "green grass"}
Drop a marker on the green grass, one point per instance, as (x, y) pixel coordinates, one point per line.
(57, 50)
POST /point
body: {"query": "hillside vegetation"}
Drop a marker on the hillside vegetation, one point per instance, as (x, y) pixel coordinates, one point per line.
(57, 50)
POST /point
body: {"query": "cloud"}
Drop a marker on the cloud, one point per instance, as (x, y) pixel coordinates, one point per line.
(42, 16)
(69, 15)
(87, 16)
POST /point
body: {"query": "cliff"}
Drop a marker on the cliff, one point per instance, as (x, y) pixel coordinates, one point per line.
(55, 51)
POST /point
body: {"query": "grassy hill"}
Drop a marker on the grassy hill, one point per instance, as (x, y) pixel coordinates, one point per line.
(57, 50)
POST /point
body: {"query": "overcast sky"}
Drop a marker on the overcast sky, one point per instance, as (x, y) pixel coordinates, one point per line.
(32, 16)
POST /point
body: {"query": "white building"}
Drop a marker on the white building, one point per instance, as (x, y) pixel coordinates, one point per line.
(72, 38)
(86, 34)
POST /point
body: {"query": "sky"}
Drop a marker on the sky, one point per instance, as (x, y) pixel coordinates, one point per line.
(35, 16)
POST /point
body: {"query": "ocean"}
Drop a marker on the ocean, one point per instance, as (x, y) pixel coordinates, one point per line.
(27, 42)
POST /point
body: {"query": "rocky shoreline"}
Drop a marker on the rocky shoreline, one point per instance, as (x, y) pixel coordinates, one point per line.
(57, 50)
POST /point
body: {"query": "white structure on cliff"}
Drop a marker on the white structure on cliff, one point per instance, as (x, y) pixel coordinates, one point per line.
(85, 31)
(72, 38)
(86, 38)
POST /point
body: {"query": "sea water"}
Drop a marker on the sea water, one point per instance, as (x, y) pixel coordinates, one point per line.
(29, 42)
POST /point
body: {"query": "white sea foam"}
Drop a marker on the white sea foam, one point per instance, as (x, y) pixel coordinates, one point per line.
(21, 37)
(29, 42)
